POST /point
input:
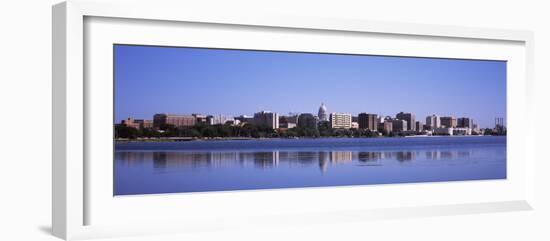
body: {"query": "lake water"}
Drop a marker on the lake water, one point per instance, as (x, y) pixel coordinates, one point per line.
(198, 166)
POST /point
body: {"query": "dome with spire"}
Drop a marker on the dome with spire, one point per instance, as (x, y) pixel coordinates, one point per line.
(323, 116)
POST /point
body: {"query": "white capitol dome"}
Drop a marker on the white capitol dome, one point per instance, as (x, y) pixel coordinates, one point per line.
(323, 116)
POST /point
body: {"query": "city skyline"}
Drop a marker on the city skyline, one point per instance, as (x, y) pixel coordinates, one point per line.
(150, 80)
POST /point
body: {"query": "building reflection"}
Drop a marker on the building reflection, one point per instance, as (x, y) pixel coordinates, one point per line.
(341, 157)
(273, 159)
(403, 156)
(369, 156)
(447, 154)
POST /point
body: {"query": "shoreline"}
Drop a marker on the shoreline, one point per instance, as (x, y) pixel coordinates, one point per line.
(186, 139)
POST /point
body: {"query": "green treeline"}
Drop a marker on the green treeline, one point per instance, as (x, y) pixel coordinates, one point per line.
(247, 130)
(254, 131)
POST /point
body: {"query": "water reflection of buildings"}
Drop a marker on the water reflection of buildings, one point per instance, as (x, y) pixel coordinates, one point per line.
(445, 154)
(340, 157)
(270, 159)
(369, 156)
(373, 156)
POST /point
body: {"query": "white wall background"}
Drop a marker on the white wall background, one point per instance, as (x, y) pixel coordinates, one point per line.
(25, 112)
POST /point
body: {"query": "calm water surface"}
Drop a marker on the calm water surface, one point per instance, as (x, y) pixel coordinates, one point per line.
(198, 166)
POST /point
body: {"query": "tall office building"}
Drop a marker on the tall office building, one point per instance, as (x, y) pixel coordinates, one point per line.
(386, 126)
(409, 117)
(340, 120)
(419, 126)
(433, 121)
(322, 114)
(399, 125)
(465, 122)
(448, 121)
(268, 118)
(368, 121)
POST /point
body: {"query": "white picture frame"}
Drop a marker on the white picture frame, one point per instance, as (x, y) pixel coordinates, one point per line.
(78, 196)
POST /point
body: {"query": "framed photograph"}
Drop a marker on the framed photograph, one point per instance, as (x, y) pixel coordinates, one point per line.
(181, 121)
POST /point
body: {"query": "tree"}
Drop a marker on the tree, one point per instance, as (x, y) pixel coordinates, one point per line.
(123, 131)
(488, 132)
(149, 132)
(324, 129)
(210, 131)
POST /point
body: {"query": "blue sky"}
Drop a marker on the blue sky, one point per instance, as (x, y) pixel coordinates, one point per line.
(151, 80)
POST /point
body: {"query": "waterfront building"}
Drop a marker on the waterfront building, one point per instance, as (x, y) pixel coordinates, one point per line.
(210, 119)
(245, 119)
(461, 131)
(233, 122)
(448, 121)
(399, 125)
(443, 131)
(171, 119)
(433, 122)
(340, 120)
(200, 118)
(465, 122)
(147, 124)
(220, 119)
(354, 125)
(268, 118)
(386, 126)
(452, 131)
(409, 117)
(419, 126)
(288, 121)
(368, 121)
(322, 114)
(130, 122)
(307, 120)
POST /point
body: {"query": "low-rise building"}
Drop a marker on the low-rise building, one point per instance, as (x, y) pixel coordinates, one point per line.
(137, 123)
(220, 119)
(171, 119)
(442, 131)
(452, 131)
(245, 119)
(461, 131)
(130, 122)
(200, 119)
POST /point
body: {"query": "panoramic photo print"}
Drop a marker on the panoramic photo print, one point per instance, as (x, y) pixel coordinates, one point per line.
(192, 119)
